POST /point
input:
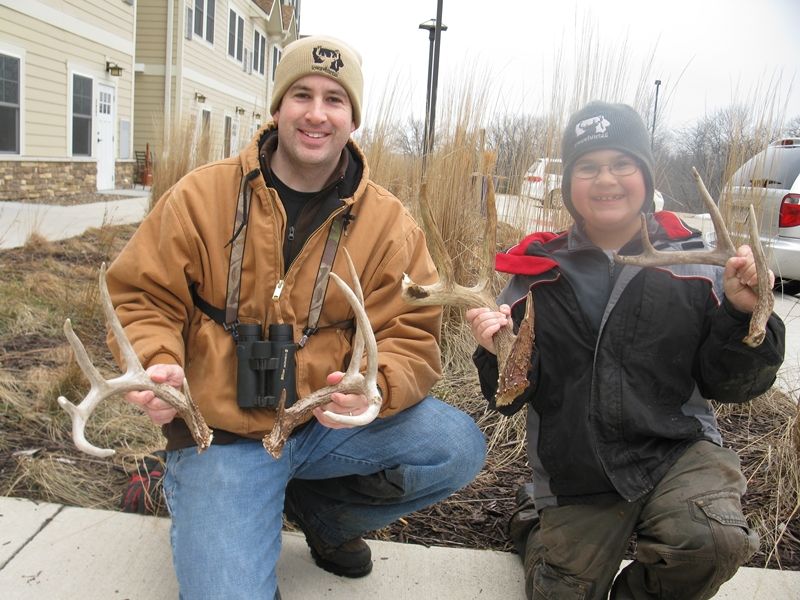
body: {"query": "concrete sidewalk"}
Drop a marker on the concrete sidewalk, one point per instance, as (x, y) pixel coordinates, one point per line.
(18, 220)
(56, 552)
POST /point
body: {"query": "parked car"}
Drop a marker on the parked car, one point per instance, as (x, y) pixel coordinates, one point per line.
(770, 181)
(658, 200)
(542, 182)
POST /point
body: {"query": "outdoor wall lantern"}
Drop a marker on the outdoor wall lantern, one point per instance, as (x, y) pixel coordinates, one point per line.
(113, 69)
(200, 98)
(239, 110)
(256, 115)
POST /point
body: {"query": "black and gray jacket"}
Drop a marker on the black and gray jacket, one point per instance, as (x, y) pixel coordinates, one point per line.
(625, 359)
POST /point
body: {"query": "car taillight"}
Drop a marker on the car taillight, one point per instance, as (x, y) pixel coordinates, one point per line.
(534, 179)
(790, 211)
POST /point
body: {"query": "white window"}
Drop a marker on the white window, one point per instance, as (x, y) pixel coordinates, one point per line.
(204, 19)
(81, 116)
(9, 104)
(235, 36)
(276, 56)
(259, 50)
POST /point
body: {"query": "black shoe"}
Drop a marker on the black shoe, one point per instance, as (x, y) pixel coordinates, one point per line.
(350, 559)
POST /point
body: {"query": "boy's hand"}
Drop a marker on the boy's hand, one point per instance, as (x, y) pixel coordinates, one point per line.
(741, 281)
(484, 323)
(159, 411)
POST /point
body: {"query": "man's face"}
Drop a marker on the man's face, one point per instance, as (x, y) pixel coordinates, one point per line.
(315, 120)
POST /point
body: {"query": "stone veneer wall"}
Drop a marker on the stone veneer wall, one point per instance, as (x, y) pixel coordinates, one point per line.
(20, 180)
(124, 172)
(31, 180)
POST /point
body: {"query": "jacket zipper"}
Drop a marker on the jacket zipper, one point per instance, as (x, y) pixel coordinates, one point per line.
(276, 294)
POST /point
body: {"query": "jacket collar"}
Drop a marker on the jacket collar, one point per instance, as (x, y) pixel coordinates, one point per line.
(662, 227)
(349, 176)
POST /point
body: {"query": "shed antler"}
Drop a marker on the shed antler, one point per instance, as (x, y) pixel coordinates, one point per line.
(353, 382)
(513, 351)
(651, 257)
(134, 379)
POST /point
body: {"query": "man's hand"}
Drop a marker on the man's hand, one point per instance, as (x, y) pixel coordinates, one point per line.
(484, 323)
(741, 281)
(159, 411)
(343, 404)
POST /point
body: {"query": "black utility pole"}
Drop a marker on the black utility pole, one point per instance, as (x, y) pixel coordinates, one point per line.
(434, 29)
(655, 110)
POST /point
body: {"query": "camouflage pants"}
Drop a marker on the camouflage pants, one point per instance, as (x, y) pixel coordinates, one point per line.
(691, 537)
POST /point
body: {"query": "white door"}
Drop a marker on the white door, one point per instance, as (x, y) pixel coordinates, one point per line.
(105, 137)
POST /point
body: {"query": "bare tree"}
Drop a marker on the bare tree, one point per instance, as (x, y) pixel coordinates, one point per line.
(715, 145)
(792, 128)
(516, 141)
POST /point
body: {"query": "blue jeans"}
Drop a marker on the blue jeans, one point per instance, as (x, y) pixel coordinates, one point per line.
(227, 503)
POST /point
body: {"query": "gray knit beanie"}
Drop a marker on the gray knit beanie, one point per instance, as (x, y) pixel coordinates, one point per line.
(320, 55)
(605, 126)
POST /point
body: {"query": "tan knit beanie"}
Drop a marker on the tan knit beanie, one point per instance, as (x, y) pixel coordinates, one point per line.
(320, 55)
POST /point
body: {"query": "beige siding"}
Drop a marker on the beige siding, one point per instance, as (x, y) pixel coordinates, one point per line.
(197, 66)
(151, 30)
(51, 54)
(113, 16)
(149, 113)
(223, 80)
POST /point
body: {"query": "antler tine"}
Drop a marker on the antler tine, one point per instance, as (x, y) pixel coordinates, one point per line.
(442, 260)
(725, 249)
(766, 300)
(724, 241)
(446, 291)
(513, 377)
(134, 379)
(353, 382)
(80, 414)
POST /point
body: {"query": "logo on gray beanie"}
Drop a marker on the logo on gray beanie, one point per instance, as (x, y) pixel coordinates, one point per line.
(600, 125)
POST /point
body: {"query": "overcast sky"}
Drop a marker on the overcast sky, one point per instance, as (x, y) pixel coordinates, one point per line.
(707, 53)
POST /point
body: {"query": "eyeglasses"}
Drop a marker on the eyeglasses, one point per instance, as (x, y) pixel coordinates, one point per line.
(621, 167)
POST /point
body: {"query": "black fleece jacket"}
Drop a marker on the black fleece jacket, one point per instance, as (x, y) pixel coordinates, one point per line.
(624, 362)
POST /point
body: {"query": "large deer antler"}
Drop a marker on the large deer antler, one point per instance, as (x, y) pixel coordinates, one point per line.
(651, 257)
(513, 351)
(353, 381)
(134, 379)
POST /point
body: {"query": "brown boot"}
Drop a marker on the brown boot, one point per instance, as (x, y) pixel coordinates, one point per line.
(523, 519)
(353, 558)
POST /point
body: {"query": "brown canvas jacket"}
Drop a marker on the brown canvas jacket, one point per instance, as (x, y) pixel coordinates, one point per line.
(184, 241)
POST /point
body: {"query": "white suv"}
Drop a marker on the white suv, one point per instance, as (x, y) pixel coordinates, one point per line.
(770, 181)
(542, 182)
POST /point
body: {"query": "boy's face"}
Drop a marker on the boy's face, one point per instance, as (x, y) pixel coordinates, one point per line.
(608, 190)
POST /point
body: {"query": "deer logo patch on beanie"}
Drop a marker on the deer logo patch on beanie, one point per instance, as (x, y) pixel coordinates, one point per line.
(327, 59)
(600, 123)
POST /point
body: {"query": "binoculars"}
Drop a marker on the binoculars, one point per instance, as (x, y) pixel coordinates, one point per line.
(265, 367)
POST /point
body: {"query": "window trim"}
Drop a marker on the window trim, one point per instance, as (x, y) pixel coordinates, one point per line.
(203, 36)
(240, 45)
(71, 113)
(265, 44)
(20, 55)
